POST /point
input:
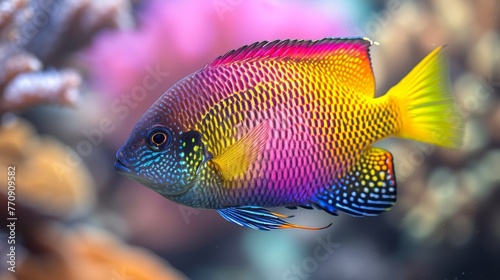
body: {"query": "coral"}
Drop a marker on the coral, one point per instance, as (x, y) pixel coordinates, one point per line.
(17, 64)
(49, 180)
(13, 14)
(72, 24)
(42, 87)
(37, 34)
(88, 253)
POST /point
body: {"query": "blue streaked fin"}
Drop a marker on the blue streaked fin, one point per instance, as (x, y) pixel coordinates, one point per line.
(259, 218)
(368, 189)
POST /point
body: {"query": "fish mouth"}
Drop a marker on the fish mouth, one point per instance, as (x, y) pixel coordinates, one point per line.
(122, 167)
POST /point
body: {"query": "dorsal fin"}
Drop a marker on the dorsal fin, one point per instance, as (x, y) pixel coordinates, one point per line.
(348, 58)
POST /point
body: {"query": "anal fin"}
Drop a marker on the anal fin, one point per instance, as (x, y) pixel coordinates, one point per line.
(259, 218)
(367, 189)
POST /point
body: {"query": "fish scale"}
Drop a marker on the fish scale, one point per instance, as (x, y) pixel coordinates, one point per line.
(327, 164)
(287, 123)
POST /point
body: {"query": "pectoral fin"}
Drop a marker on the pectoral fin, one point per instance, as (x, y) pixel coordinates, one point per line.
(236, 159)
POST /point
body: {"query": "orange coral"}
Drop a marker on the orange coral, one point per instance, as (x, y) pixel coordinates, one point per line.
(88, 253)
(46, 182)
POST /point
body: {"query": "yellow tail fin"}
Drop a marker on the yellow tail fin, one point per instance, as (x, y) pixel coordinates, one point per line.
(427, 112)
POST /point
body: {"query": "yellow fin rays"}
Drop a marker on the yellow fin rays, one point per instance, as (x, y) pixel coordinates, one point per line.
(236, 159)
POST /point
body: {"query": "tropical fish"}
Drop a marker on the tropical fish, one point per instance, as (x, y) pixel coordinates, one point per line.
(287, 123)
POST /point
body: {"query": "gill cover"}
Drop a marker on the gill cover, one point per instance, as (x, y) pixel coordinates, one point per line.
(192, 154)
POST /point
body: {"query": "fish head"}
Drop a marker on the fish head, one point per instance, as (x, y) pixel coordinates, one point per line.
(162, 155)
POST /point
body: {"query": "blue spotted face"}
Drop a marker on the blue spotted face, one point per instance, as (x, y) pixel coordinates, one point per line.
(162, 157)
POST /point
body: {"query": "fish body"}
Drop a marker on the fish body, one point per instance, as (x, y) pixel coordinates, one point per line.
(287, 123)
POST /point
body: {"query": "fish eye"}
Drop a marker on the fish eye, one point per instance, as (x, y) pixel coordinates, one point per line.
(159, 138)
